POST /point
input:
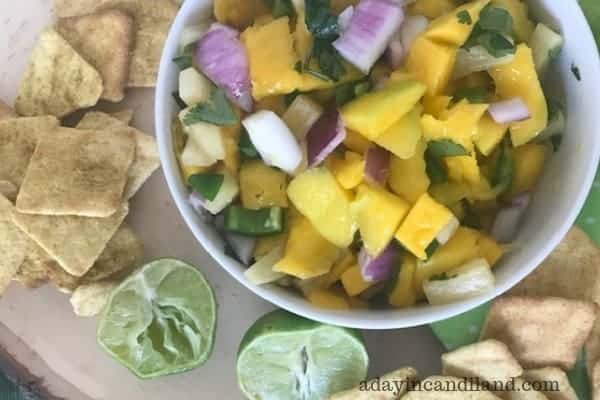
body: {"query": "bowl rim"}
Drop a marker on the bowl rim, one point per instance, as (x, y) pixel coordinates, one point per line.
(369, 319)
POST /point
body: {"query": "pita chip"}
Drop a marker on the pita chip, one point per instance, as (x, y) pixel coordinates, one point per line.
(553, 382)
(13, 245)
(6, 111)
(32, 273)
(125, 116)
(8, 190)
(521, 391)
(57, 80)
(397, 381)
(89, 300)
(596, 382)
(592, 346)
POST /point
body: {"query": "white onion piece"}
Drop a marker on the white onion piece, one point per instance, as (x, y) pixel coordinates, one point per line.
(261, 272)
(476, 59)
(243, 246)
(371, 29)
(198, 204)
(345, 17)
(273, 140)
(380, 267)
(508, 220)
(222, 57)
(324, 137)
(412, 27)
(377, 165)
(508, 111)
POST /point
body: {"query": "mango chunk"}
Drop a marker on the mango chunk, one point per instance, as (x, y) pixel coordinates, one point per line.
(401, 138)
(431, 63)
(491, 250)
(353, 281)
(378, 214)
(522, 26)
(424, 222)
(404, 292)
(319, 197)
(519, 79)
(356, 142)
(375, 112)
(266, 244)
(328, 299)
(436, 105)
(307, 253)
(529, 163)
(262, 186)
(239, 14)
(431, 8)
(349, 171)
(408, 178)
(451, 29)
(489, 135)
(343, 264)
(271, 66)
(463, 169)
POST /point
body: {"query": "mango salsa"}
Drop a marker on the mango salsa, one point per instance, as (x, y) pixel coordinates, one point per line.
(451, 29)
(262, 186)
(353, 282)
(436, 105)
(349, 171)
(408, 178)
(463, 169)
(404, 292)
(431, 63)
(401, 138)
(489, 135)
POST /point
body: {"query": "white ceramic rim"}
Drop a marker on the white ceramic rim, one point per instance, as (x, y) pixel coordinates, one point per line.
(367, 319)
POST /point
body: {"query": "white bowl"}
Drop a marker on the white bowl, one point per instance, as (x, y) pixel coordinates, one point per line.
(557, 201)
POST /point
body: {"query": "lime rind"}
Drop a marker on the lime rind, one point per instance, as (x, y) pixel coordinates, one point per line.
(161, 320)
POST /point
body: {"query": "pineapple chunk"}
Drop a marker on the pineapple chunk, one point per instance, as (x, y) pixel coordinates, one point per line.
(349, 171)
(194, 88)
(262, 186)
(489, 135)
(425, 221)
(375, 112)
(261, 272)
(404, 136)
(318, 196)
(208, 137)
(328, 299)
(227, 193)
(307, 253)
(408, 178)
(353, 281)
(231, 140)
(404, 293)
(449, 28)
(529, 163)
(378, 214)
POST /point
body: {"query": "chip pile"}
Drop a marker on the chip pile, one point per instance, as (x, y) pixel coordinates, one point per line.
(65, 191)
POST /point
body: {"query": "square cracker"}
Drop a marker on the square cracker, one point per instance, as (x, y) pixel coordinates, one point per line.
(13, 245)
(6, 112)
(78, 172)
(528, 326)
(104, 40)
(562, 389)
(146, 154)
(18, 138)
(8, 190)
(521, 392)
(57, 80)
(74, 242)
(32, 273)
(153, 19)
(402, 376)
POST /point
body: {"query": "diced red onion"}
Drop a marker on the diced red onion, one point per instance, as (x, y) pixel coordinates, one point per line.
(197, 203)
(380, 267)
(395, 53)
(324, 137)
(345, 17)
(371, 29)
(222, 57)
(377, 165)
(508, 220)
(507, 111)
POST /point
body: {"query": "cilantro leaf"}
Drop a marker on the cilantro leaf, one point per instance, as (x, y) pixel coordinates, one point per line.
(496, 19)
(503, 174)
(281, 8)
(433, 246)
(493, 32)
(436, 151)
(185, 60)
(218, 111)
(464, 17)
(207, 185)
(576, 72)
(320, 20)
(246, 147)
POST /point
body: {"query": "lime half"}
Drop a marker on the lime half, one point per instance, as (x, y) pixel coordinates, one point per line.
(286, 357)
(161, 320)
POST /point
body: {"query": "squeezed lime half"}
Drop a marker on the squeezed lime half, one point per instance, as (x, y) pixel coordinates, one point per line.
(287, 357)
(161, 320)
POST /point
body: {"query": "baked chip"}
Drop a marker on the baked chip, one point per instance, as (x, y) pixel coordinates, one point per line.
(74, 242)
(553, 382)
(18, 138)
(153, 19)
(32, 273)
(592, 346)
(596, 381)
(6, 111)
(528, 326)
(77, 172)
(521, 391)
(125, 116)
(393, 386)
(104, 40)
(8, 190)
(570, 271)
(57, 80)
(490, 361)
(146, 155)
(89, 300)
(13, 245)
(448, 388)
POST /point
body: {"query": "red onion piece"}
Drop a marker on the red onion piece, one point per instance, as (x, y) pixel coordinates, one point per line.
(345, 17)
(324, 137)
(222, 57)
(395, 53)
(507, 111)
(371, 29)
(377, 165)
(508, 220)
(380, 267)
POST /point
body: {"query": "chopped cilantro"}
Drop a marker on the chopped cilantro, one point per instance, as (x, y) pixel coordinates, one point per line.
(493, 32)
(207, 184)
(434, 156)
(464, 17)
(218, 111)
(281, 8)
(433, 246)
(475, 95)
(246, 147)
(576, 72)
(496, 19)
(185, 60)
(503, 174)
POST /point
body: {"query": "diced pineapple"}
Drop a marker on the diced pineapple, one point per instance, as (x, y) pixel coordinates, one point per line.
(450, 29)
(262, 186)
(194, 88)
(193, 156)
(353, 281)
(375, 112)
(301, 115)
(402, 138)
(463, 169)
(378, 214)
(261, 272)
(404, 293)
(519, 11)
(528, 164)
(208, 137)
(356, 142)
(307, 253)
(431, 63)
(319, 197)
(328, 299)
(424, 222)
(489, 135)
(431, 8)
(349, 171)
(408, 178)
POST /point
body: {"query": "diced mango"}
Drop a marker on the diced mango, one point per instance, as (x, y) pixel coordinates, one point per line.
(528, 164)
(262, 186)
(431, 8)
(404, 293)
(356, 142)
(432, 64)
(408, 178)
(319, 197)
(402, 137)
(436, 105)
(231, 140)
(491, 250)
(328, 299)
(463, 169)
(424, 222)
(519, 79)
(349, 171)
(522, 26)
(239, 14)
(449, 193)
(266, 244)
(356, 303)
(489, 135)
(307, 253)
(375, 112)
(451, 29)
(353, 281)
(400, 75)
(459, 126)
(343, 264)
(271, 66)
(378, 214)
